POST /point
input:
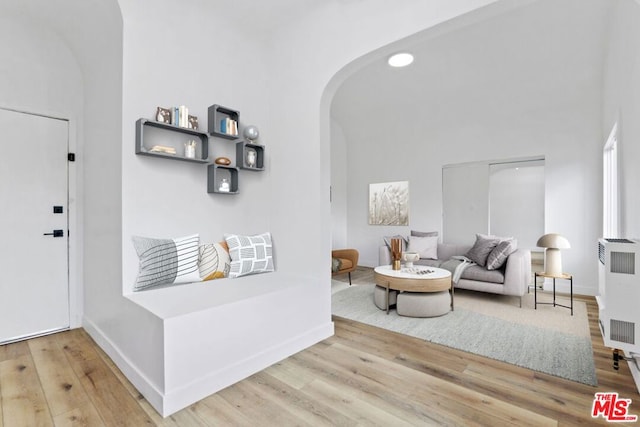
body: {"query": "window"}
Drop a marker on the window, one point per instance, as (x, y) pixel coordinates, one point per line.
(610, 185)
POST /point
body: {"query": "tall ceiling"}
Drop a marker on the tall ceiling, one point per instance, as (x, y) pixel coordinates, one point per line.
(545, 51)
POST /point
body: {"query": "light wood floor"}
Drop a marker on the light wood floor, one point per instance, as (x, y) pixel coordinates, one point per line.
(361, 376)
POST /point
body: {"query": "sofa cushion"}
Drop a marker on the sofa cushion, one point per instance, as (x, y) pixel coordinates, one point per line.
(481, 274)
(429, 262)
(500, 253)
(480, 251)
(345, 264)
(427, 247)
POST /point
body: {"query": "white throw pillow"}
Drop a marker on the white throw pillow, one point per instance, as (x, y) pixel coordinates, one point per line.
(427, 247)
(166, 261)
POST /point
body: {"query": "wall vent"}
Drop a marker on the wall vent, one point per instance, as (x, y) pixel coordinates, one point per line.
(623, 262)
(623, 331)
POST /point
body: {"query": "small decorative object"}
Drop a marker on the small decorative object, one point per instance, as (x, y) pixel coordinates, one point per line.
(224, 161)
(409, 258)
(396, 253)
(552, 259)
(163, 115)
(193, 122)
(190, 149)
(251, 158)
(224, 186)
(251, 133)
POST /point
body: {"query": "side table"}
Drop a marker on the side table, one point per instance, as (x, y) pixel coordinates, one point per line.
(565, 276)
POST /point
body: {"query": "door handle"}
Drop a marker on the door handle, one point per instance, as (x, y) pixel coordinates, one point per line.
(56, 233)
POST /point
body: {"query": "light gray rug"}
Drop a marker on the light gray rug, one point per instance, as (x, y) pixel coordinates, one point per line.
(562, 354)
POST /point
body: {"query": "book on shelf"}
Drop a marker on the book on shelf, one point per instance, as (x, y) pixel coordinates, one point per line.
(229, 126)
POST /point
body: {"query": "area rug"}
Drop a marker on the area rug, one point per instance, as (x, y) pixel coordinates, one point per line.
(547, 340)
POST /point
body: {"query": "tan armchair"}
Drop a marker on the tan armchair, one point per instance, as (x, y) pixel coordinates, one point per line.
(348, 261)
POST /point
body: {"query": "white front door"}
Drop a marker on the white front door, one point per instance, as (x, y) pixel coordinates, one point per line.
(34, 281)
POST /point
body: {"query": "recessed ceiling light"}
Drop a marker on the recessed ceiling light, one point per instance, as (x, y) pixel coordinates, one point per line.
(400, 59)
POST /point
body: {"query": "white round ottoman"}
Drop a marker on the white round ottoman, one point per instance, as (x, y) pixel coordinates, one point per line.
(380, 297)
(423, 304)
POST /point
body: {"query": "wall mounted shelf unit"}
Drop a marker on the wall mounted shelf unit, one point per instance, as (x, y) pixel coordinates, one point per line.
(215, 115)
(180, 134)
(215, 175)
(244, 147)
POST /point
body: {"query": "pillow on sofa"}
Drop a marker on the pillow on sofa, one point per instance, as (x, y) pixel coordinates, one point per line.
(427, 247)
(166, 261)
(250, 254)
(481, 249)
(424, 233)
(500, 253)
(214, 261)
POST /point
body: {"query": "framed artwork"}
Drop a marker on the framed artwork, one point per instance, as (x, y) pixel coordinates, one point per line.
(389, 203)
(163, 115)
(193, 122)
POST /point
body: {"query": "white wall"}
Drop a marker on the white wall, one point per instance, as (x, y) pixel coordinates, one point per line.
(39, 74)
(502, 115)
(339, 180)
(622, 103)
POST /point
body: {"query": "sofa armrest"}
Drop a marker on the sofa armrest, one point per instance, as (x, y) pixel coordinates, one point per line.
(384, 255)
(517, 273)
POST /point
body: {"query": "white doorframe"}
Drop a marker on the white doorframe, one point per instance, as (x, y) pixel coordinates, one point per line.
(75, 205)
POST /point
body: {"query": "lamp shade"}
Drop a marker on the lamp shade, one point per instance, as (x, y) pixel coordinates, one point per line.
(553, 240)
(552, 260)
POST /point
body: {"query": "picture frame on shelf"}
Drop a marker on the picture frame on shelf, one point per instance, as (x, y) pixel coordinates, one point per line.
(163, 115)
(193, 122)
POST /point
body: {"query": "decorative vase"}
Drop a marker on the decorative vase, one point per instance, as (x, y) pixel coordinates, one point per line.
(409, 258)
(396, 253)
(251, 158)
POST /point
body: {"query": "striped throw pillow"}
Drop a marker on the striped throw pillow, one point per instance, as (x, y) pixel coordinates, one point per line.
(166, 261)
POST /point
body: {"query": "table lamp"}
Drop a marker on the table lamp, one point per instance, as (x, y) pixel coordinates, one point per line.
(553, 242)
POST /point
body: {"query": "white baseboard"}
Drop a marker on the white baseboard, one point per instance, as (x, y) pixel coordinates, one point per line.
(139, 381)
(218, 379)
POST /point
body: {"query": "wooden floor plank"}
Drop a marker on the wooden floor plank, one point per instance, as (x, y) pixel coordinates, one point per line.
(23, 400)
(13, 350)
(220, 412)
(362, 375)
(60, 384)
(109, 396)
(82, 416)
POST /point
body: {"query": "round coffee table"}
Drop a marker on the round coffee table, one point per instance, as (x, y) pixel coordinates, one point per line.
(415, 279)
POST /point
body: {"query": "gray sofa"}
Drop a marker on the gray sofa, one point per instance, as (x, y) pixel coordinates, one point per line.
(511, 279)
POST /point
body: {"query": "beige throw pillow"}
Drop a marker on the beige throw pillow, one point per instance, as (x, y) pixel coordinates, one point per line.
(427, 247)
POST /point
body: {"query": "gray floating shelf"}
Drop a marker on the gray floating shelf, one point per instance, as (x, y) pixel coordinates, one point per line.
(242, 148)
(142, 150)
(217, 113)
(215, 174)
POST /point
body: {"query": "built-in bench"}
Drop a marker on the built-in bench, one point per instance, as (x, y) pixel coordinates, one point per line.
(195, 339)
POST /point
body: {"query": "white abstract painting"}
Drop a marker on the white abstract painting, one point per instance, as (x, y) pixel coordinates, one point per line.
(389, 203)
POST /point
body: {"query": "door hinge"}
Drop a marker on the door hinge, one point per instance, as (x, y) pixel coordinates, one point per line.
(71, 157)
